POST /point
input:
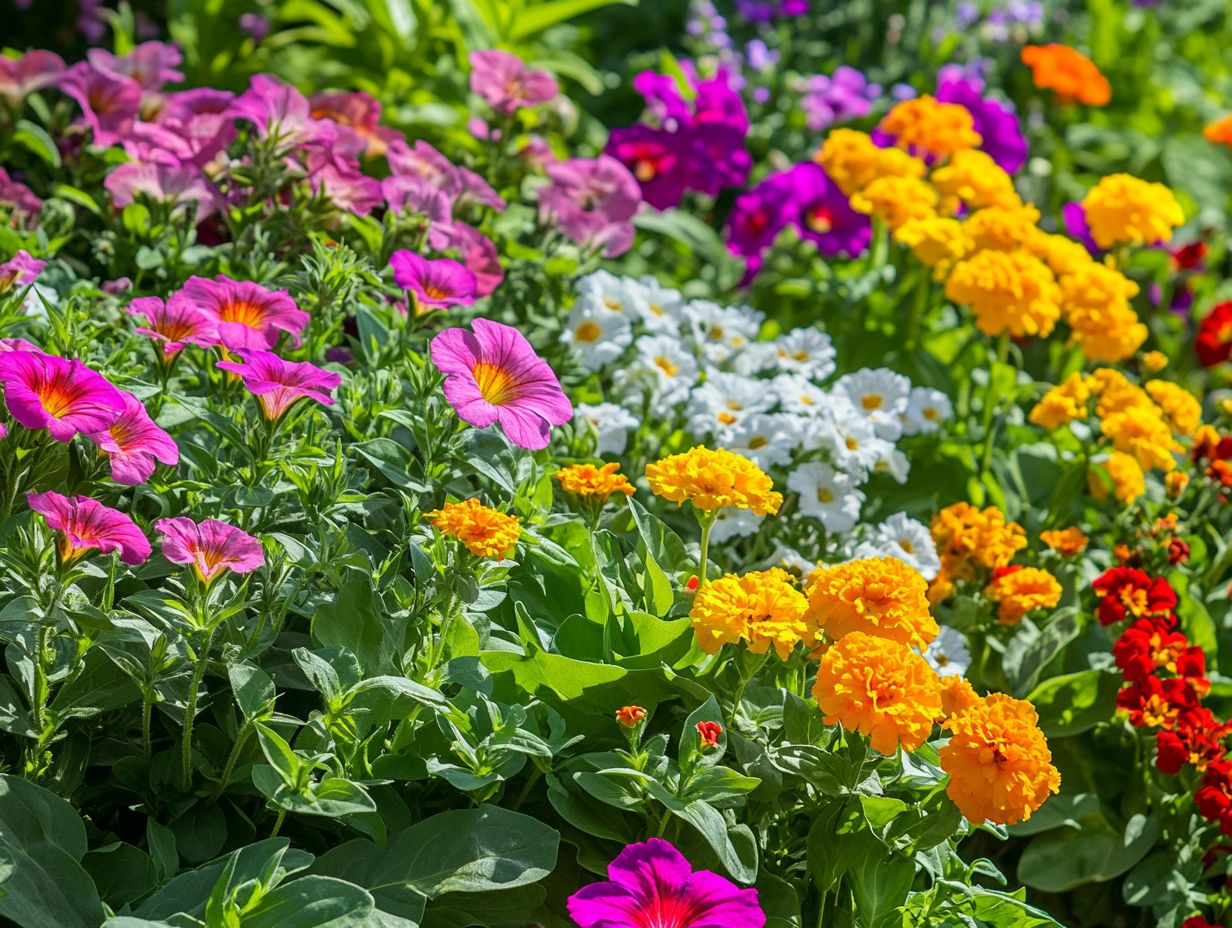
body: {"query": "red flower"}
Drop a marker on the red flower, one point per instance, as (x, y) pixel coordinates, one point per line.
(1127, 592)
(1214, 796)
(630, 716)
(1155, 703)
(1197, 740)
(1189, 257)
(1178, 551)
(709, 733)
(1213, 342)
(1197, 921)
(1191, 667)
(1146, 647)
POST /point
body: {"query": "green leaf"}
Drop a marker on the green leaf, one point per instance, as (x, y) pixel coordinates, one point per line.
(1072, 703)
(254, 690)
(545, 14)
(34, 138)
(1064, 859)
(311, 902)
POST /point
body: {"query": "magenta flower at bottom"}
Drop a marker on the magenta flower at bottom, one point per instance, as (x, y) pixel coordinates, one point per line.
(436, 284)
(210, 546)
(652, 885)
(85, 525)
(135, 444)
(278, 383)
(493, 375)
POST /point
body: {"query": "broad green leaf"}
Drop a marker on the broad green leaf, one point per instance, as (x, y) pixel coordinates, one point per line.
(1072, 703)
(1064, 859)
(544, 14)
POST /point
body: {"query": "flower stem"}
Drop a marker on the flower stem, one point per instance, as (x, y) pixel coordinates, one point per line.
(706, 522)
(282, 814)
(190, 712)
(992, 402)
(232, 758)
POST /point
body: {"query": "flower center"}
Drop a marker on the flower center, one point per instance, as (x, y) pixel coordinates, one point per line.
(906, 545)
(726, 417)
(242, 312)
(614, 306)
(758, 442)
(931, 414)
(666, 366)
(871, 401)
(852, 444)
(824, 495)
(1135, 601)
(57, 397)
(820, 219)
(588, 331)
(495, 383)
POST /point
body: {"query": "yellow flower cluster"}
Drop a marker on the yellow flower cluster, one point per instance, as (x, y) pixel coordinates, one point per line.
(1065, 541)
(970, 541)
(1017, 592)
(896, 201)
(975, 180)
(1123, 472)
(762, 608)
(925, 124)
(1008, 291)
(713, 479)
(590, 482)
(484, 531)
(1062, 404)
(1124, 210)
(853, 162)
(883, 597)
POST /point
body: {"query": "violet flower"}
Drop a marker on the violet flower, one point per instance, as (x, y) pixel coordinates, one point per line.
(21, 270)
(837, 98)
(109, 102)
(278, 384)
(209, 546)
(150, 64)
(245, 315)
(17, 195)
(184, 189)
(593, 202)
(1001, 135)
(434, 284)
(507, 84)
(280, 112)
(20, 77)
(87, 525)
(174, 324)
(135, 444)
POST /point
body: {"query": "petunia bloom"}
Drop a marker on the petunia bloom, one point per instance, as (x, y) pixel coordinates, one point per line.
(150, 64)
(246, 315)
(651, 883)
(184, 189)
(65, 397)
(175, 323)
(20, 77)
(493, 375)
(593, 202)
(435, 284)
(85, 525)
(109, 102)
(507, 84)
(21, 270)
(210, 546)
(278, 383)
(135, 444)
(1213, 343)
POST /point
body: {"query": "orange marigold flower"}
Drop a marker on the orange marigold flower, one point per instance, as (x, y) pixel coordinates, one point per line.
(1065, 541)
(1154, 361)
(925, 126)
(968, 538)
(1024, 590)
(590, 482)
(1141, 431)
(853, 161)
(484, 531)
(1123, 470)
(1008, 291)
(1003, 228)
(1125, 210)
(957, 695)
(877, 596)
(974, 178)
(1062, 404)
(630, 716)
(998, 760)
(708, 735)
(1175, 483)
(1220, 131)
(1182, 411)
(879, 688)
(896, 201)
(761, 608)
(714, 478)
(1095, 302)
(1068, 73)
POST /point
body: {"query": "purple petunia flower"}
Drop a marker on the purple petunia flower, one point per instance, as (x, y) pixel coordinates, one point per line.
(1001, 135)
(593, 202)
(476, 251)
(210, 547)
(281, 112)
(278, 384)
(658, 159)
(255, 26)
(837, 98)
(507, 84)
(492, 375)
(20, 77)
(17, 195)
(65, 397)
(150, 64)
(135, 444)
(185, 189)
(1075, 218)
(109, 102)
(652, 884)
(434, 284)
(21, 270)
(87, 525)
(358, 111)
(245, 315)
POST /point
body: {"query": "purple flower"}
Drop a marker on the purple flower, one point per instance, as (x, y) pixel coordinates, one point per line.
(87, 525)
(358, 111)
(20, 77)
(494, 376)
(338, 177)
(281, 112)
(837, 98)
(593, 202)
(416, 194)
(1001, 135)
(185, 189)
(759, 215)
(210, 547)
(476, 251)
(426, 162)
(652, 884)
(658, 159)
(109, 102)
(135, 444)
(763, 11)
(21, 270)
(189, 129)
(150, 64)
(435, 284)
(255, 26)
(245, 315)
(18, 195)
(278, 384)
(507, 84)
(43, 391)
(1075, 218)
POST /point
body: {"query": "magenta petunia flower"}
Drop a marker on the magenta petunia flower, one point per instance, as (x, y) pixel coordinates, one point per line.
(278, 383)
(593, 202)
(1000, 134)
(150, 64)
(135, 444)
(65, 397)
(493, 375)
(21, 270)
(20, 77)
(359, 111)
(188, 131)
(185, 189)
(417, 194)
(87, 525)
(175, 324)
(435, 284)
(17, 195)
(1074, 215)
(109, 102)
(507, 84)
(246, 315)
(426, 162)
(659, 159)
(476, 250)
(281, 112)
(210, 547)
(651, 885)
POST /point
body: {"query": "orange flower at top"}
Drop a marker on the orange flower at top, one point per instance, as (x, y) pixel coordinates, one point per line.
(881, 689)
(998, 760)
(1068, 73)
(882, 597)
(926, 126)
(484, 531)
(1020, 590)
(1065, 541)
(592, 482)
(1220, 132)
(967, 538)
(630, 716)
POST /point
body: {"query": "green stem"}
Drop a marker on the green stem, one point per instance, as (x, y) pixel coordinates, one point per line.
(282, 814)
(203, 658)
(232, 760)
(147, 713)
(992, 402)
(911, 329)
(707, 523)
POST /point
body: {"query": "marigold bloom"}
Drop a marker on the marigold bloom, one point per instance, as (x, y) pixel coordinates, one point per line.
(880, 688)
(278, 384)
(1214, 797)
(968, 538)
(86, 525)
(1068, 73)
(1213, 342)
(851, 159)
(1116, 394)
(1062, 404)
(1062, 255)
(1181, 408)
(1008, 292)
(881, 597)
(135, 444)
(1146, 647)
(484, 531)
(1154, 361)
(762, 608)
(65, 397)
(494, 376)
(630, 716)
(1067, 542)
(896, 200)
(1175, 483)
(957, 695)
(1128, 480)
(713, 479)
(926, 127)
(209, 546)
(175, 323)
(1154, 703)
(1219, 131)
(1142, 433)
(1124, 210)
(1024, 590)
(434, 284)
(1002, 228)
(936, 241)
(998, 760)
(1127, 592)
(1095, 301)
(976, 180)
(590, 482)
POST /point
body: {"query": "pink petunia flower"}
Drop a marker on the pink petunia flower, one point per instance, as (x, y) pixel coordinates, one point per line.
(424, 161)
(246, 315)
(190, 128)
(86, 525)
(507, 84)
(65, 397)
(593, 201)
(20, 77)
(18, 195)
(150, 64)
(359, 111)
(279, 111)
(651, 883)
(435, 284)
(109, 102)
(135, 444)
(476, 250)
(493, 375)
(278, 383)
(20, 271)
(416, 194)
(175, 324)
(183, 188)
(210, 547)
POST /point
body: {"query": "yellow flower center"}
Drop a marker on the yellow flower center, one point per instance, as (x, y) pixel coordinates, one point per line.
(246, 313)
(666, 366)
(825, 496)
(852, 444)
(588, 331)
(758, 442)
(871, 401)
(495, 383)
(613, 306)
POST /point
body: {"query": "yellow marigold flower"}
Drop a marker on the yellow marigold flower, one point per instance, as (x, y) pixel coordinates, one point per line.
(1115, 393)
(1154, 361)
(879, 596)
(925, 125)
(1067, 542)
(1142, 432)
(484, 531)
(957, 695)
(853, 162)
(1002, 228)
(590, 482)
(1175, 483)
(896, 200)
(998, 760)
(1125, 210)
(762, 608)
(714, 478)
(1128, 481)
(941, 587)
(1062, 404)
(1181, 410)
(1017, 592)
(968, 538)
(1220, 131)
(936, 241)
(974, 178)
(1095, 300)
(1062, 255)
(879, 688)
(1007, 291)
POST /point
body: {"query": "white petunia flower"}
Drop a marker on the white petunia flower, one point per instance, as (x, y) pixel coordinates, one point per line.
(880, 396)
(894, 463)
(660, 308)
(850, 440)
(611, 423)
(805, 351)
(948, 653)
(902, 537)
(596, 336)
(720, 331)
(926, 410)
(662, 368)
(800, 395)
(723, 401)
(757, 358)
(606, 291)
(827, 495)
(767, 438)
(790, 560)
(730, 522)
